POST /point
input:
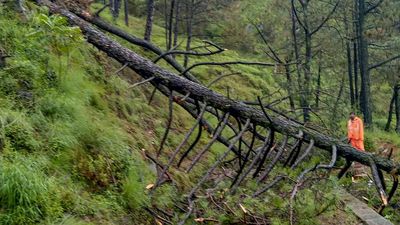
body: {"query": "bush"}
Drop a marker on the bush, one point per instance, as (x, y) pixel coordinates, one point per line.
(26, 195)
(17, 131)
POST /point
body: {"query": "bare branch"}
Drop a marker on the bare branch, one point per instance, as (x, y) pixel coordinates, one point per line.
(371, 8)
(101, 10)
(142, 82)
(122, 68)
(305, 154)
(281, 149)
(217, 133)
(253, 162)
(297, 16)
(226, 63)
(211, 170)
(383, 62)
(326, 19)
(344, 169)
(169, 122)
(378, 182)
(186, 138)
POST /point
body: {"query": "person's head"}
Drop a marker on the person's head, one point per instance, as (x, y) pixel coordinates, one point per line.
(352, 115)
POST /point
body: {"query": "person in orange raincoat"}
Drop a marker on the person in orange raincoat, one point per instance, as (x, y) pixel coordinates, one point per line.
(355, 132)
(355, 136)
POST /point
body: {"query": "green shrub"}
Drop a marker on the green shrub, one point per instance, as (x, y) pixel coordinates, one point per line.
(134, 187)
(17, 130)
(27, 196)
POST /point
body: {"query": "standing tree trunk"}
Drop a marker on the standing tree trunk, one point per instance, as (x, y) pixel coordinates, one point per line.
(318, 85)
(355, 54)
(170, 22)
(307, 66)
(397, 103)
(350, 74)
(126, 9)
(149, 20)
(355, 65)
(349, 61)
(393, 103)
(295, 46)
(289, 86)
(115, 6)
(176, 24)
(189, 29)
(365, 95)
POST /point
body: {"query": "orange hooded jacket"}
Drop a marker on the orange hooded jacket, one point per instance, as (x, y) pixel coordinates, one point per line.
(355, 133)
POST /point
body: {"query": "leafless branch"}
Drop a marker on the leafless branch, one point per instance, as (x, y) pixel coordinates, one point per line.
(142, 82)
(217, 133)
(169, 122)
(97, 14)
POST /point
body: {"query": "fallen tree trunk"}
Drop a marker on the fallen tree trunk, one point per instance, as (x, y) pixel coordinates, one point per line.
(147, 69)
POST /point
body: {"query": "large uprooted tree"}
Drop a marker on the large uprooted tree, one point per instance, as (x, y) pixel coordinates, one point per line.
(254, 154)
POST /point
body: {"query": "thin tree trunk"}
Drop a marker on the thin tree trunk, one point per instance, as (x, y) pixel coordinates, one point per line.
(355, 66)
(307, 67)
(176, 24)
(189, 30)
(149, 20)
(339, 96)
(289, 86)
(126, 8)
(392, 105)
(318, 86)
(112, 7)
(170, 24)
(356, 50)
(166, 23)
(349, 61)
(296, 47)
(397, 103)
(116, 5)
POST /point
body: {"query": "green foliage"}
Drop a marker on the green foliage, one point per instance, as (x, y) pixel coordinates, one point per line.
(134, 187)
(27, 196)
(60, 36)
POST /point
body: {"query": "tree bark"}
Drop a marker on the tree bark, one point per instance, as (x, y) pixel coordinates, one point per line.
(189, 29)
(289, 86)
(170, 24)
(392, 105)
(318, 85)
(365, 95)
(397, 103)
(162, 77)
(149, 20)
(176, 24)
(349, 61)
(115, 6)
(295, 45)
(126, 12)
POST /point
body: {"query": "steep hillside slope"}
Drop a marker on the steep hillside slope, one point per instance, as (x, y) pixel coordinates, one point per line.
(75, 136)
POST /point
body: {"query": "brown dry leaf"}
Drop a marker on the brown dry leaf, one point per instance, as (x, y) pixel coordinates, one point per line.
(158, 222)
(149, 186)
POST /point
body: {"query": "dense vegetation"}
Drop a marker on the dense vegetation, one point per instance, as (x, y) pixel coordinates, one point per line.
(75, 137)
